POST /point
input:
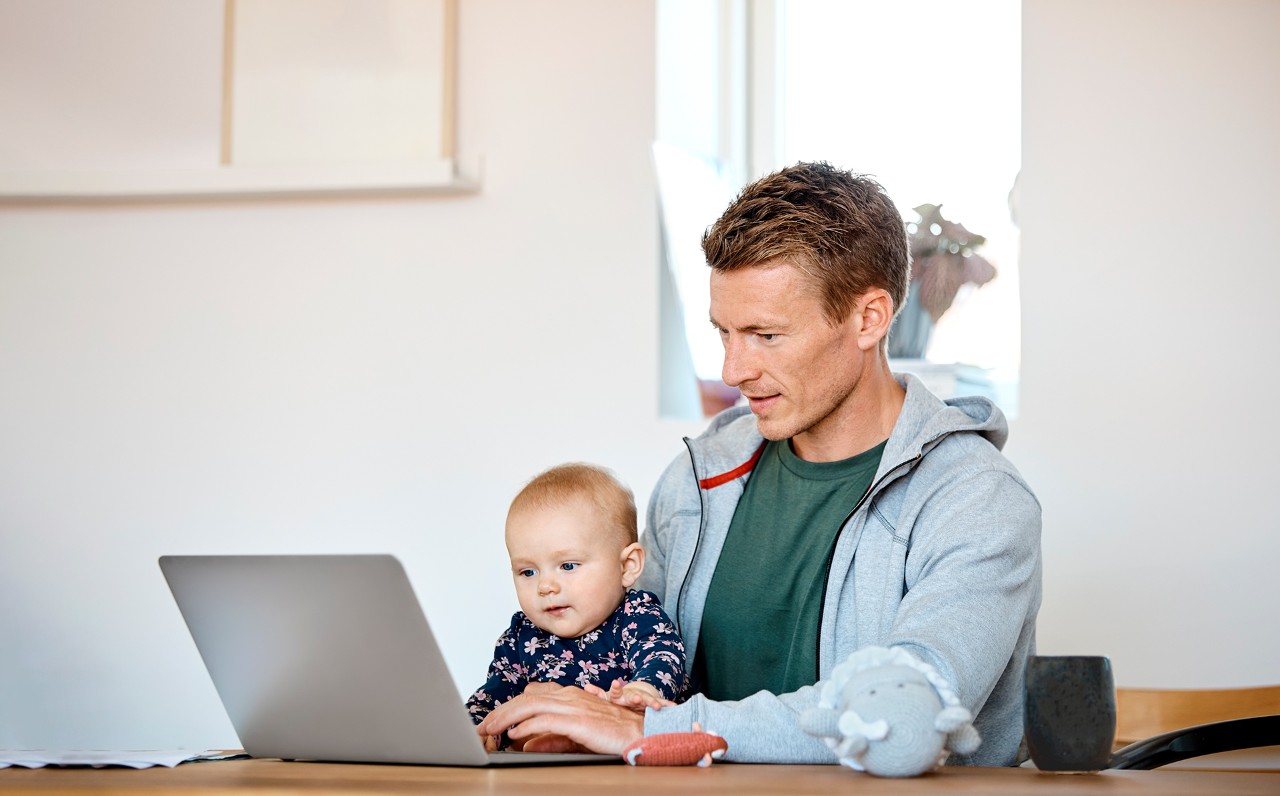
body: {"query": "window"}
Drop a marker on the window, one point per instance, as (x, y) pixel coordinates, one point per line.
(925, 97)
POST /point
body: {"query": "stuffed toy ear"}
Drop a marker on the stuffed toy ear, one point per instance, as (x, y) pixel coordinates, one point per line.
(964, 741)
(957, 723)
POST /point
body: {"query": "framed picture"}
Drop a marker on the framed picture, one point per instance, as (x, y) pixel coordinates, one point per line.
(333, 81)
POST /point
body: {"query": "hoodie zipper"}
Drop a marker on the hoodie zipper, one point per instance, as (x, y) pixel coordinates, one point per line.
(697, 543)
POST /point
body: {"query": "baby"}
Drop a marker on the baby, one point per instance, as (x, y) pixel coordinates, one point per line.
(571, 535)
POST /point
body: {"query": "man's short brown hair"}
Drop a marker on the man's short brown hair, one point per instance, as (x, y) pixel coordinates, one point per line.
(596, 484)
(839, 229)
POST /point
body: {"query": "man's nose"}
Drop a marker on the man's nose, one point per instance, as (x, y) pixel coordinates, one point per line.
(739, 364)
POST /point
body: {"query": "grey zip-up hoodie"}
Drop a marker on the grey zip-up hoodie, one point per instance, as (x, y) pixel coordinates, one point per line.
(941, 557)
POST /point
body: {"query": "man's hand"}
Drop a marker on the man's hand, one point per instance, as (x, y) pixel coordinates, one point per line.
(537, 743)
(565, 720)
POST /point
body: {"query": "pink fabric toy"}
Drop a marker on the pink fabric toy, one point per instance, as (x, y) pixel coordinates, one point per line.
(676, 749)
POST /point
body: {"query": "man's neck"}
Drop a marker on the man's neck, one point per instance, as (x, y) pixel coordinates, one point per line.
(864, 420)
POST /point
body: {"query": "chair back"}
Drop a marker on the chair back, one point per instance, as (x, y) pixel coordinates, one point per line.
(1142, 713)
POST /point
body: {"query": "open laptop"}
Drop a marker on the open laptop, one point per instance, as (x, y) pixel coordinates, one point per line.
(330, 658)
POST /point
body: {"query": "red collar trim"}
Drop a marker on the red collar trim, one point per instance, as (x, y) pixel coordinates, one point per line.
(741, 470)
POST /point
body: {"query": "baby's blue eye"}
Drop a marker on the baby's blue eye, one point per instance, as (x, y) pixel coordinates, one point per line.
(568, 566)
(526, 573)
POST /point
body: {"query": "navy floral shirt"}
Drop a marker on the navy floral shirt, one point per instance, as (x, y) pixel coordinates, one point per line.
(638, 642)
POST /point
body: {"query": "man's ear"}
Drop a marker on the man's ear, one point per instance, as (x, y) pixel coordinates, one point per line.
(632, 564)
(874, 318)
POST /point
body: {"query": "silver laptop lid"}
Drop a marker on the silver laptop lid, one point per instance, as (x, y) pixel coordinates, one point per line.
(324, 658)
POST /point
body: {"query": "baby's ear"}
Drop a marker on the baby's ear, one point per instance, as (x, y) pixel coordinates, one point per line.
(632, 561)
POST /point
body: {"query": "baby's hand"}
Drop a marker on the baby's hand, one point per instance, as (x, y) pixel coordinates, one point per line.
(637, 695)
(491, 743)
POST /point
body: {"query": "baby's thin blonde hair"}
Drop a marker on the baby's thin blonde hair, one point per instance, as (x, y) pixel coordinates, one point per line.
(599, 485)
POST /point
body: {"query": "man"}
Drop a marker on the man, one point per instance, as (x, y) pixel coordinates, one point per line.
(844, 507)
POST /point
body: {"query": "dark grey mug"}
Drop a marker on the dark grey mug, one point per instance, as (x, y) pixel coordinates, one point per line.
(1069, 715)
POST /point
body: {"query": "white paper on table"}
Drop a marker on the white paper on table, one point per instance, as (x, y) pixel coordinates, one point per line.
(99, 758)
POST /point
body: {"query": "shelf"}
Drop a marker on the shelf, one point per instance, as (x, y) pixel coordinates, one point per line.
(235, 182)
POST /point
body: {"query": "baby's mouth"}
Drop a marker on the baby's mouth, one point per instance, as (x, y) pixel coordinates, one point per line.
(558, 610)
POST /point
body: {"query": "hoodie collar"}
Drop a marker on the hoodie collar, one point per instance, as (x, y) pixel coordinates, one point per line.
(730, 446)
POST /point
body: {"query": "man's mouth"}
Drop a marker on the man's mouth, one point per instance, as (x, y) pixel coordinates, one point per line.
(759, 404)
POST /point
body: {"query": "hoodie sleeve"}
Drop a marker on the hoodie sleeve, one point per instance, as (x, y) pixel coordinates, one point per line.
(972, 579)
(763, 728)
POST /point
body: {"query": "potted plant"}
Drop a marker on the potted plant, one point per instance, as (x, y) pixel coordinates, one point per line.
(943, 259)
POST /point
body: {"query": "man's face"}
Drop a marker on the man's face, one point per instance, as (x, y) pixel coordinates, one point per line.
(796, 370)
(567, 565)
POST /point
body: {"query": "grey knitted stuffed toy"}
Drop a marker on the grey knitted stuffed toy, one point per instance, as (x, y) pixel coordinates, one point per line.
(886, 712)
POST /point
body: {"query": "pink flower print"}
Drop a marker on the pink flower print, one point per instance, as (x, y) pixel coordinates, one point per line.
(663, 627)
(666, 679)
(555, 672)
(628, 637)
(532, 645)
(567, 655)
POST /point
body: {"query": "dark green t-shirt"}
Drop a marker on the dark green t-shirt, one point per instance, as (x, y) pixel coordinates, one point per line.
(760, 622)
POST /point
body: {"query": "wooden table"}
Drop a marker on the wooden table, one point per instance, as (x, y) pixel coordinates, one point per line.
(275, 778)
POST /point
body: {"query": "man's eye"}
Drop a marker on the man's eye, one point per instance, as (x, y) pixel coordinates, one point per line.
(568, 566)
(768, 338)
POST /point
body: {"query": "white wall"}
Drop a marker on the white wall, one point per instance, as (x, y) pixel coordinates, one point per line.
(322, 376)
(1149, 280)
(331, 376)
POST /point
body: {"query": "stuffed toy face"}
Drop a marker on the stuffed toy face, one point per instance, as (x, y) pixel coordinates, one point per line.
(886, 712)
(908, 705)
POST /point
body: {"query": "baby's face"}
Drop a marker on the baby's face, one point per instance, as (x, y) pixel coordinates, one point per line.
(567, 565)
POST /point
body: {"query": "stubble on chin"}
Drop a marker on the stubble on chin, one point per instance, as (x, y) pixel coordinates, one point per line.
(772, 430)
